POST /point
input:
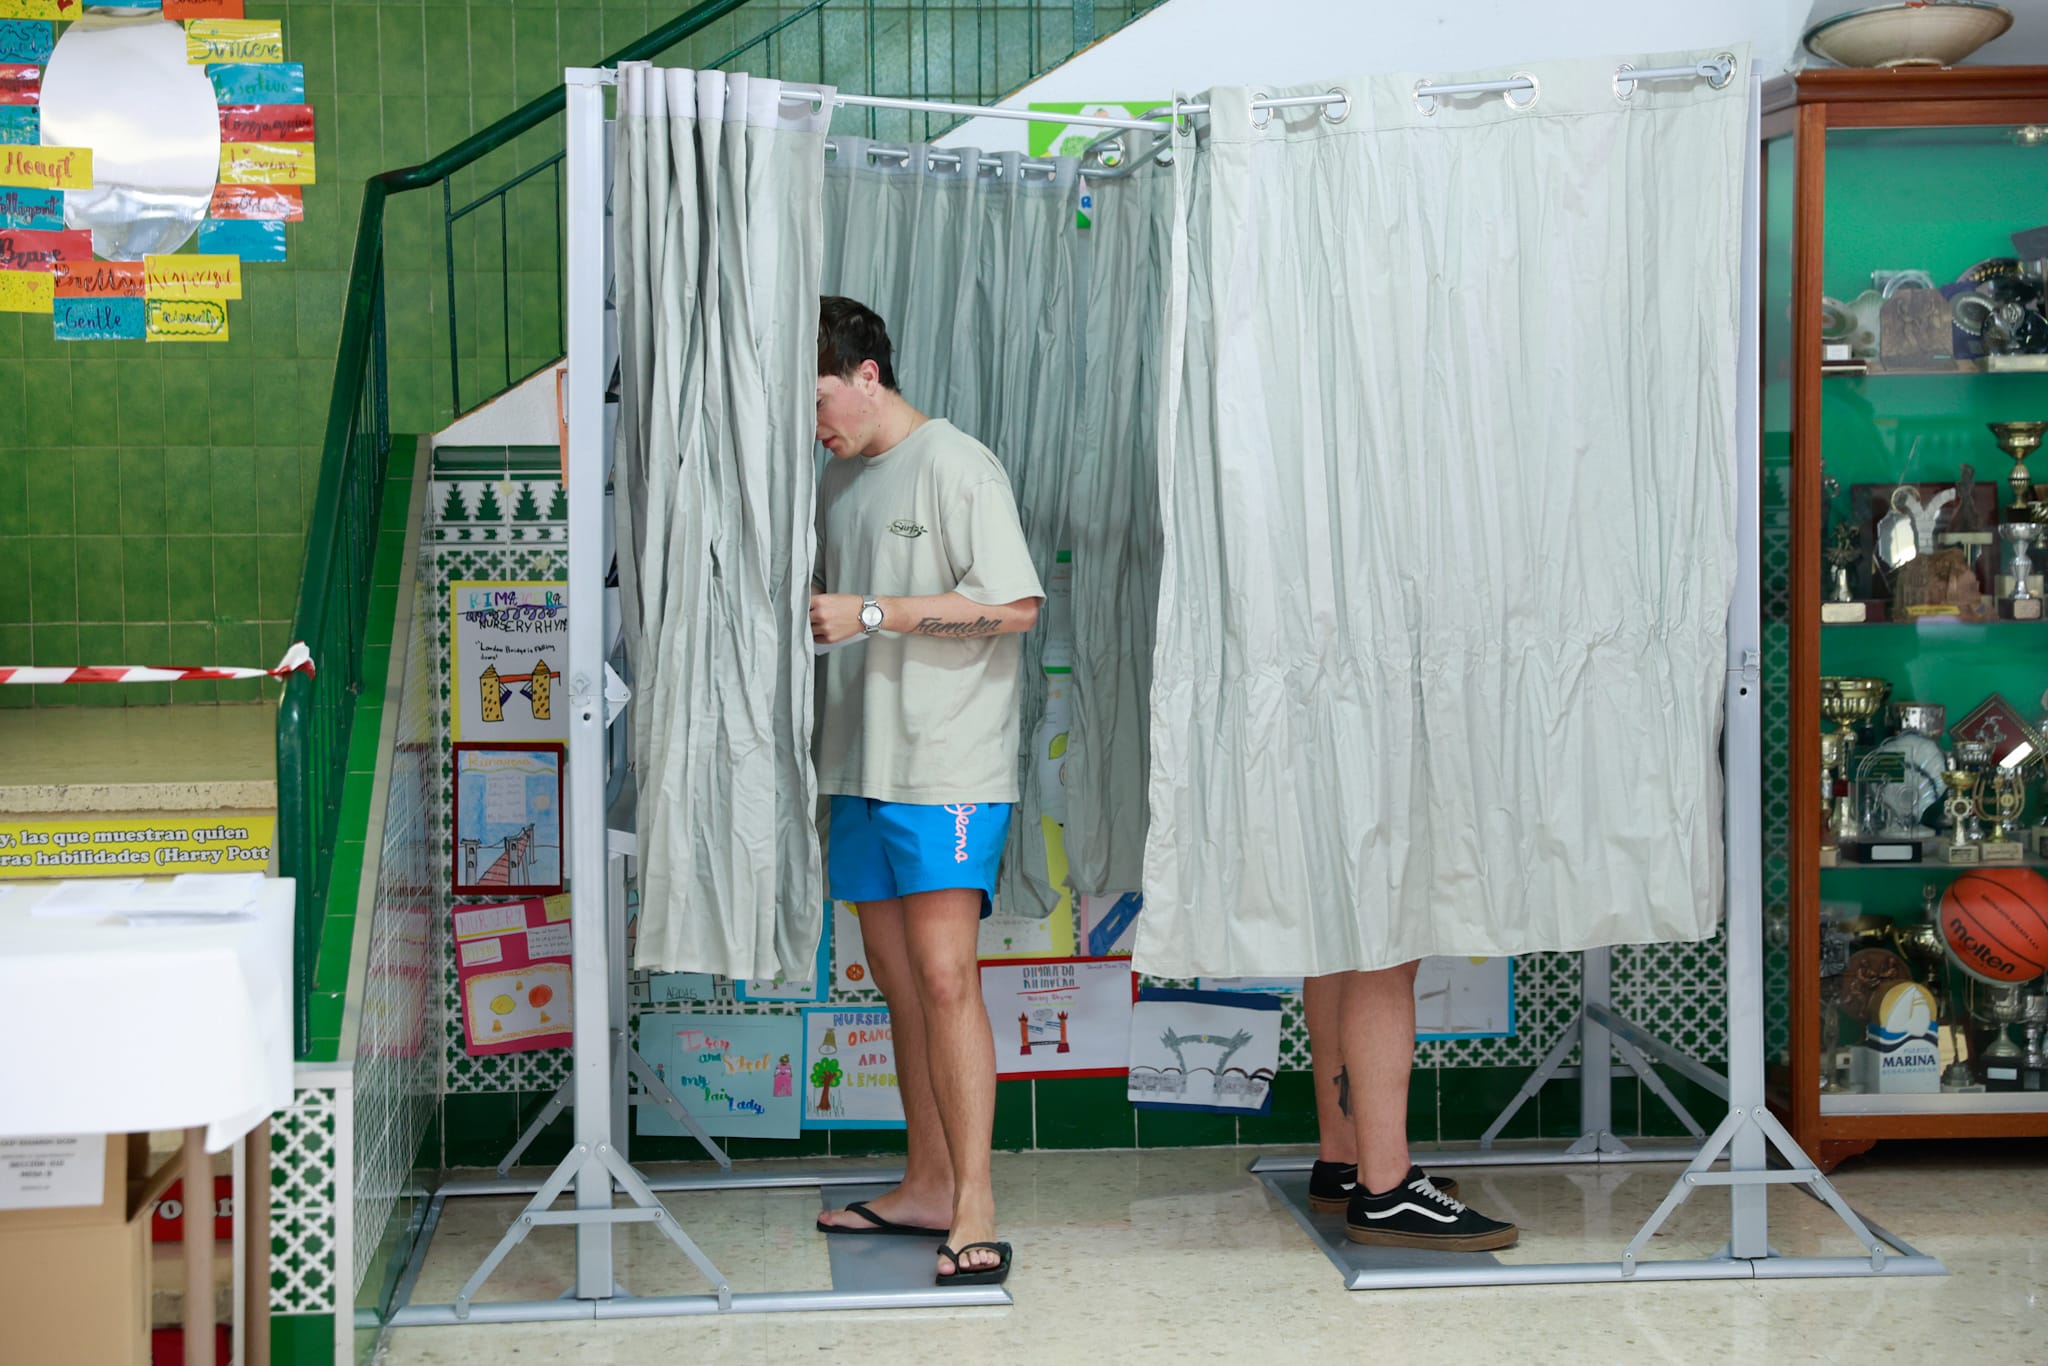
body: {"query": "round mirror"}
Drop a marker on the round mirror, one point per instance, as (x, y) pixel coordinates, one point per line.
(125, 88)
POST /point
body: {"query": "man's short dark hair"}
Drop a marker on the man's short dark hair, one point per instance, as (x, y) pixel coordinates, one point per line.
(849, 333)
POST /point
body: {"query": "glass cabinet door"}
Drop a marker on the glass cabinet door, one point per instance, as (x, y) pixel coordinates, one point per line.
(1932, 901)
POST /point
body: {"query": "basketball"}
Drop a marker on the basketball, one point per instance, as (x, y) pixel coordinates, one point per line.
(1995, 922)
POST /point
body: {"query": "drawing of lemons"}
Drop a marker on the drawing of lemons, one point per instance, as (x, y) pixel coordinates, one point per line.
(1058, 749)
(502, 1004)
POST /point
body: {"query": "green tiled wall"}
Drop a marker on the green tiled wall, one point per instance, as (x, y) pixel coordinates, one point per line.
(153, 499)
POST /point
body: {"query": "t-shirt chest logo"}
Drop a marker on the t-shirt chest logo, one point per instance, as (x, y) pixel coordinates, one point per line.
(906, 528)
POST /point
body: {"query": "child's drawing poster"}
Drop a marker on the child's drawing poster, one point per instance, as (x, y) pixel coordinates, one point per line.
(850, 953)
(508, 818)
(508, 645)
(1465, 998)
(1059, 1017)
(1204, 1050)
(813, 987)
(735, 1074)
(512, 974)
(849, 1073)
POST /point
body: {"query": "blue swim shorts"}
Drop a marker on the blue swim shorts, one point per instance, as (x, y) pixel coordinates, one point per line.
(879, 850)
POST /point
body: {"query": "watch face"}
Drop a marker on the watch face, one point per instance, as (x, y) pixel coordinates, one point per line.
(871, 615)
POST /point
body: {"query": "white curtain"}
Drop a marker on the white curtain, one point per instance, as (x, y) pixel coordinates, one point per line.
(1448, 525)
(973, 269)
(717, 237)
(1113, 525)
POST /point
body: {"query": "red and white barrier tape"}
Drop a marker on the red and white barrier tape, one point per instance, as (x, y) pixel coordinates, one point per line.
(295, 659)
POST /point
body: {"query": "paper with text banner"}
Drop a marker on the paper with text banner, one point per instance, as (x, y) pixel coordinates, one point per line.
(210, 41)
(512, 975)
(185, 320)
(46, 168)
(192, 277)
(848, 1079)
(266, 163)
(1211, 1051)
(1066, 1017)
(735, 1074)
(258, 82)
(40, 210)
(127, 847)
(26, 291)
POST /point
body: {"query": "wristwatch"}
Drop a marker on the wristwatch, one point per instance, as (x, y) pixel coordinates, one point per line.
(870, 616)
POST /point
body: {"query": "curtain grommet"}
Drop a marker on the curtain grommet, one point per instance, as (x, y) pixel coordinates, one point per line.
(1261, 117)
(1341, 99)
(1507, 97)
(1425, 103)
(1624, 84)
(1724, 65)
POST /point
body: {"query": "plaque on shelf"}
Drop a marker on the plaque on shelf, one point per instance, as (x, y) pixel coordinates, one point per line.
(1995, 722)
(1914, 328)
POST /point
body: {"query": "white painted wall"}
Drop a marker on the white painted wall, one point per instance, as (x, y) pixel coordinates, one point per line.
(1190, 45)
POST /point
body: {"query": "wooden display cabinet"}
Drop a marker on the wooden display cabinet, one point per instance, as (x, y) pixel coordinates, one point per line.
(1866, 172)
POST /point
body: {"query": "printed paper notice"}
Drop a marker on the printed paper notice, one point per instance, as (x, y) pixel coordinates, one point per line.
(53, 1173)
(116, 847)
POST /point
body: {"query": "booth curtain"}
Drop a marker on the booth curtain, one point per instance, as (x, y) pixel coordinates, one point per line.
(718, 242)
(1447, 524)
(1113, 524)
(974, 270)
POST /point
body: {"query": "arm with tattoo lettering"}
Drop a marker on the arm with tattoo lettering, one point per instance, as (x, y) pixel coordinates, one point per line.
(943, 616)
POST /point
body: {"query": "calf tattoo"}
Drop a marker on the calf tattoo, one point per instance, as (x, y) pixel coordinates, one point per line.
(1344, 1090)
(964, 630)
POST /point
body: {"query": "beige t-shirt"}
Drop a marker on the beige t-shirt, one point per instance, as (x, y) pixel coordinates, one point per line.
(914, 718)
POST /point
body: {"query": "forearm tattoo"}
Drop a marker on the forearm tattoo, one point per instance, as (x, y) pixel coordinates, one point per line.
(958, 630)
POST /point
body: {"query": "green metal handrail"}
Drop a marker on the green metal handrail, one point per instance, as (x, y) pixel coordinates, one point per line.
(334, 595)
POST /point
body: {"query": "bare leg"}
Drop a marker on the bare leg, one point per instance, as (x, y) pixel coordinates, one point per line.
(1322, 1001)
(1379, 1051)
(926, 1196)
(941, 929)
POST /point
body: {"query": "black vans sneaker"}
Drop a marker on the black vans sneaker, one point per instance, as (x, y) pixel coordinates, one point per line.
(1330, 1185)
(1417, 1214)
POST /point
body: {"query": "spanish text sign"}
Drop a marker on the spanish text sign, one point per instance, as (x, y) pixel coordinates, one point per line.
(125, 847)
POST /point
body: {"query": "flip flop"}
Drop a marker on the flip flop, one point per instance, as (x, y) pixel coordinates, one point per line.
(988, 1275)
(881, 1225)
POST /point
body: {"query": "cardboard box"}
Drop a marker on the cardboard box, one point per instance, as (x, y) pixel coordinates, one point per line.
(74, 1279)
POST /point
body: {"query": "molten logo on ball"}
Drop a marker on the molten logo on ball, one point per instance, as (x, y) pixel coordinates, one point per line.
(1975, 951)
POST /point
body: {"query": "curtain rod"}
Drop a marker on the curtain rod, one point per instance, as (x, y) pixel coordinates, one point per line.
(1716, 71)
(991, 162)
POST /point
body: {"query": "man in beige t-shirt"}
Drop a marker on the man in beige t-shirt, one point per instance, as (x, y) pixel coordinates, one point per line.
(924, 576)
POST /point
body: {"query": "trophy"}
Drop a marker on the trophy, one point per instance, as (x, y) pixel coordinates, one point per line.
(2002, 800)
(1996, 1005)
(2034, 1020)
(1832, 763)
(1960, 806)
(1834, 957)
(1848, 702)
(2019, 440)
(2023, 604)
(1974, 756)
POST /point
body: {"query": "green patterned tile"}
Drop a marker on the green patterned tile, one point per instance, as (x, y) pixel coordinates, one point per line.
(145, 579)
(99, 578)
(186, 400)
(96, 476)
(140, 403)
(14, 569)
(188, 490)
(50, 506)
(53, 579)
(142, 491)
(191, 578)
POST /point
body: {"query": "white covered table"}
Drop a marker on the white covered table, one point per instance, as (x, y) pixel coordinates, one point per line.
(119, 1028)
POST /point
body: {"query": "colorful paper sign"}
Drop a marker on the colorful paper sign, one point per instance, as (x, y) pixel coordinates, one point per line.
(508, 817)
(1108, 925)
(507, 648)
(1212, 1051)
(271, 203)
(182, 10)
(126, 846)
(26, 291)
(266, 163)
(192, 277)
(209, 41)
(21, 125)
(266, 123)
(1056, 1017)
(105, 319)
(848, 1079)
(38, 210)
(1465, 998)
(26, 41)
(258, 82)
(185, 320)
(815, 987)
(849, 951)
(47, 168)
(512, 975)
(21, 250)
(246, 239)
(29, 9)
(20, 84)
(735, 1074)
(91, 279)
